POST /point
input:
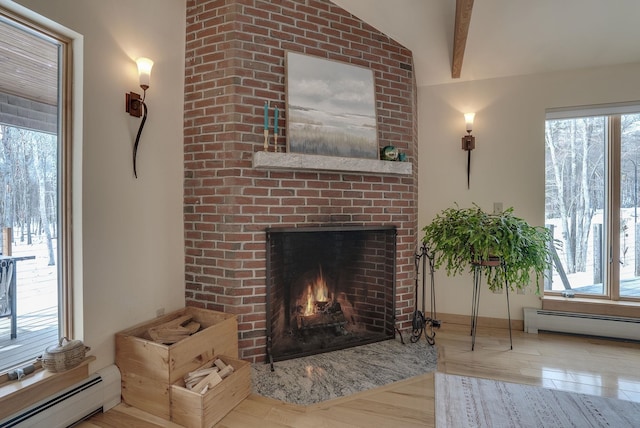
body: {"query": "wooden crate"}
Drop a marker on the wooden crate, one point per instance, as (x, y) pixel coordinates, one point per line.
(148, 368)
(194, 410)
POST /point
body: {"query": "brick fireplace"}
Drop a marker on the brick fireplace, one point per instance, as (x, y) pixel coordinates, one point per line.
(234, 193)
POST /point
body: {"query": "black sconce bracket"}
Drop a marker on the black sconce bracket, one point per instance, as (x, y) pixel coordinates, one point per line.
(136, 107)
(133, 104)
(468, 144)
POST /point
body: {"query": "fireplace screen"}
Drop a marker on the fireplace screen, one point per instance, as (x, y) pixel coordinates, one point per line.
(329, 288)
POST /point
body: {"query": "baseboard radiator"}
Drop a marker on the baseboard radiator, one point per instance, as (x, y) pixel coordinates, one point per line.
(99, 392)
(592, 325)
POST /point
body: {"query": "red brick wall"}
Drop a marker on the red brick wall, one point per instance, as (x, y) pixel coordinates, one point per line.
(235, 53)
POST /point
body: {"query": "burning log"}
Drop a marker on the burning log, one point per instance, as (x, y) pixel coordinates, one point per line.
(320, 321)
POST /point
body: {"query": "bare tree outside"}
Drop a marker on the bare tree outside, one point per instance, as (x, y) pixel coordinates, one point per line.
(28, 174)
(629, 188)
(576, 171)
(575, 165)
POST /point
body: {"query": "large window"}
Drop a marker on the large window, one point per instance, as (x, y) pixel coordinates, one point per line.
(592, 158)
(34, 144)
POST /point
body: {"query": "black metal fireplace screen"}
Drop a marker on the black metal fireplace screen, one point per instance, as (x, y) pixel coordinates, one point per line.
(329, 288)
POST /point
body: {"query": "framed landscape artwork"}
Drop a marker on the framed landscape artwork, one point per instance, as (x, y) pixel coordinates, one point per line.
(331, 108)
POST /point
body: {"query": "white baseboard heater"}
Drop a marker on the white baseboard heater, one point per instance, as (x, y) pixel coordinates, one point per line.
(99, 392)
(576, 323)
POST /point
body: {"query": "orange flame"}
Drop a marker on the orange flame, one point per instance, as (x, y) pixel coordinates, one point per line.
(309, 309)
(316, 292)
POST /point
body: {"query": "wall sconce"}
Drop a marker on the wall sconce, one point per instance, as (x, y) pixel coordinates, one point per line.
(134, 104)
(469, 142)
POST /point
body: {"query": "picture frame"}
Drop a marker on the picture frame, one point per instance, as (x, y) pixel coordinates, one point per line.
(330, 107)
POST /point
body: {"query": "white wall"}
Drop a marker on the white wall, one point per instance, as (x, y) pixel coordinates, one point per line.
(131, 229)
(508, 163)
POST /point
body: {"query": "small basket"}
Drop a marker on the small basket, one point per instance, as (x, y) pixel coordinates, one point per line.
(65, 356)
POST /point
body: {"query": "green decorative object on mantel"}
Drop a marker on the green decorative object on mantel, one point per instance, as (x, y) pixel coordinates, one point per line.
(389, 153)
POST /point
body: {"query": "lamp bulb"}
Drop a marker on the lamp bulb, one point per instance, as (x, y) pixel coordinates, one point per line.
(468, 118)
(144, 72)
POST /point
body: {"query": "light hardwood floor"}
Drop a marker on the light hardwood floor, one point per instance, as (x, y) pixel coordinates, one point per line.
(593, 366)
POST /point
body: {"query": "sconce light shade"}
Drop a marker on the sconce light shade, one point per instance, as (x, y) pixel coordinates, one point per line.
(144, 72)
(468, 118)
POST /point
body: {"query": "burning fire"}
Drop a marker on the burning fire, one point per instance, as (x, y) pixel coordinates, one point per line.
(316, 292)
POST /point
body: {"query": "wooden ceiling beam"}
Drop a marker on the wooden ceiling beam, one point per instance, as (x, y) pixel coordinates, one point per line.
(461, 30)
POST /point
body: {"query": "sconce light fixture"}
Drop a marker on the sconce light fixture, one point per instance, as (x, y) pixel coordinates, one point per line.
(134, 103)
(469, 142)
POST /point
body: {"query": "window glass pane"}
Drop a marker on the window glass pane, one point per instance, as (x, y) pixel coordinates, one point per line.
(630, 232)
(29, 195)
(575, 157)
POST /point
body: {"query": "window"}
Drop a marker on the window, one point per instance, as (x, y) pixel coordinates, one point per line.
(592, 158)
(35, 289)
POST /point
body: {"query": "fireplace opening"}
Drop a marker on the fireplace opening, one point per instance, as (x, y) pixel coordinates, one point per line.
(329, 288)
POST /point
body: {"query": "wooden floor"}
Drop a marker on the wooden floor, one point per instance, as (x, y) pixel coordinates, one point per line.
(593, 366)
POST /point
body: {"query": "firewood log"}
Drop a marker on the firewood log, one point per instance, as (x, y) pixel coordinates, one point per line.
(169, 335)
(199, 374)
(174, 330)
(192, 327)
(226, 371)
(211, 380)
(204, 367)
(181, 320)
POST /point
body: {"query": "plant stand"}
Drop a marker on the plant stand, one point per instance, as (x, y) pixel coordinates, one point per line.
(475, 303)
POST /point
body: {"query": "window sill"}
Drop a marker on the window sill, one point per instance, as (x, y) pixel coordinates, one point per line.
(17, 395)
(625, 308)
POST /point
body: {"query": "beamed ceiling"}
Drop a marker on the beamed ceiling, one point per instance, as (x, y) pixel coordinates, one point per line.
(506, 37)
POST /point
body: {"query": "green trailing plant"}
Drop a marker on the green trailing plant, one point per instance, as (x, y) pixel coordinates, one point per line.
(463, 238)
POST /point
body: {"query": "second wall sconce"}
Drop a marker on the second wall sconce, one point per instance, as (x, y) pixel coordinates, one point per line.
(134, 104)
(469, 143)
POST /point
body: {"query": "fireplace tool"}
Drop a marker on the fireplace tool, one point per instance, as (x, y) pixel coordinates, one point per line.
(422, 323)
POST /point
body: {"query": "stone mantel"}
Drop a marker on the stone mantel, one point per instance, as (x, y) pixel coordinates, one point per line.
(298, 161)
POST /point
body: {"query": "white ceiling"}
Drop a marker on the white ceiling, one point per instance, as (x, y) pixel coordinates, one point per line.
(508, 37)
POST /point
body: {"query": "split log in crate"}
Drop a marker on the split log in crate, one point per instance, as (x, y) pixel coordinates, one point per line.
(207, 377)
(195, 410)
(174, 331)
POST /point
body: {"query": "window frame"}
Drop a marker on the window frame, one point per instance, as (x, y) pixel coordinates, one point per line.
(610, 303)
(66, 132)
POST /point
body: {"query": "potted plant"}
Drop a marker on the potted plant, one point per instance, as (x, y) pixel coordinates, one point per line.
(463, 238)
